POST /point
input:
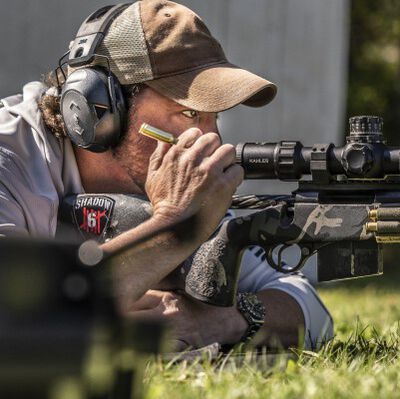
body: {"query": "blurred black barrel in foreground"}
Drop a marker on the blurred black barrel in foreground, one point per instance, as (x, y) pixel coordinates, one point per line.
(60, 335)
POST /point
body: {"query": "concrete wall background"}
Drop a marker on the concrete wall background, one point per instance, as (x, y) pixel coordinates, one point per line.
(299, 44)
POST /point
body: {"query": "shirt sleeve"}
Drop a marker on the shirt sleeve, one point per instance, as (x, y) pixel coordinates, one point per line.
(257, 275)
(28, 199)
(12, 219)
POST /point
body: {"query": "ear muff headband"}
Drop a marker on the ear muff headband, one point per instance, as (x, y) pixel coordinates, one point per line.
(92, 102)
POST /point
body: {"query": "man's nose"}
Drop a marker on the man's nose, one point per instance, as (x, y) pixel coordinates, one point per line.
(209, 124)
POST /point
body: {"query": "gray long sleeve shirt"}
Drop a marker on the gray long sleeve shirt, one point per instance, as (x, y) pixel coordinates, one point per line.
(33, 176)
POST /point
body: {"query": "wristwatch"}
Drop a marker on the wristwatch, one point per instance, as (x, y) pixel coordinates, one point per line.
(253, 310)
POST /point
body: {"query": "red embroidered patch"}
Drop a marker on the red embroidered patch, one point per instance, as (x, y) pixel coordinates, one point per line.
(92, 214)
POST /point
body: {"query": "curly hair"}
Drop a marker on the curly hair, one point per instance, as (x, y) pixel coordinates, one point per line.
(49, 104)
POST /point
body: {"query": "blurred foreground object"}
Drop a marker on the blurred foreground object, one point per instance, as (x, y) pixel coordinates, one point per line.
(61, 336)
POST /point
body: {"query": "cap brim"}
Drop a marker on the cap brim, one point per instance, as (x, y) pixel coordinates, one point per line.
(216, 88)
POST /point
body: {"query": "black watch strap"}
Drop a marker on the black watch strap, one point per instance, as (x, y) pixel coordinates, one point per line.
(253, 310)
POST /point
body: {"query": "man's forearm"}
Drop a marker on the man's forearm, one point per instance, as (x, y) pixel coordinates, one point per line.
(284, 320)
(143, 256)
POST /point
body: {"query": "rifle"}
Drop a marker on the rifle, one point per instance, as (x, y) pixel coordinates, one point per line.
(344, 211)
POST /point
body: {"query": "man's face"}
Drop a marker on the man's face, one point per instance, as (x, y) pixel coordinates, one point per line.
(150, 107)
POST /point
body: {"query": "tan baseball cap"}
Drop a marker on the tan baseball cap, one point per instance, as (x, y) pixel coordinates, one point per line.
(168, 46)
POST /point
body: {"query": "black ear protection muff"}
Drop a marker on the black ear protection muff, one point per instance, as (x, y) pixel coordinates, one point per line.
(92, 103)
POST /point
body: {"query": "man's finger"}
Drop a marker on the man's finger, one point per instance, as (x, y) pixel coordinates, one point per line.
(189, 137)
(158, 156)
(222, 158)
(235, 173)
(206, 145)
(149, 300)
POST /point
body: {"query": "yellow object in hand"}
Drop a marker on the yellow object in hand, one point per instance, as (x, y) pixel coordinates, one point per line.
(157, 134)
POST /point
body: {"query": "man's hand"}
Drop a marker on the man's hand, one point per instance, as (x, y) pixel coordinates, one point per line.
(196, 324)
(193, 323)
(195, 177)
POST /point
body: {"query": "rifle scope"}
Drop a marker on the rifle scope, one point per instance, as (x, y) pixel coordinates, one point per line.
(365, 155)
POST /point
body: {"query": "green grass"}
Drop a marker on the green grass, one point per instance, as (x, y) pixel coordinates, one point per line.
(361, 362)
